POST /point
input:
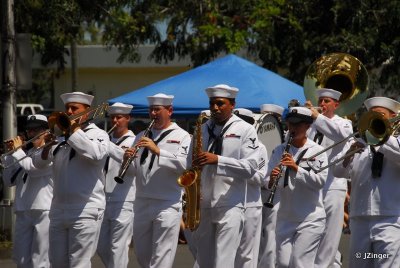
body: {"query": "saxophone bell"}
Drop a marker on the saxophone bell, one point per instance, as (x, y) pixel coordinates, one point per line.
(190, 180)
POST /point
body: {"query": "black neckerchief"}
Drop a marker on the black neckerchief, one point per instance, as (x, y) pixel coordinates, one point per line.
(286, 179)
(14, 176)
(216, 146)
(72, 152)
(377, 163)
(108, 157)
(145, 152)
(318, 137)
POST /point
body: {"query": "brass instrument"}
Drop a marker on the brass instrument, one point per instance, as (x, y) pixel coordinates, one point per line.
(14, 149)
(270, 201)
(111, 130)
(373, 128)
(191, 180)
(126, 163)
(63, 121)
(341, 72)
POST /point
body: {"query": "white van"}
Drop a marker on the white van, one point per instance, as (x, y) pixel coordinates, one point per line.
(28, 108)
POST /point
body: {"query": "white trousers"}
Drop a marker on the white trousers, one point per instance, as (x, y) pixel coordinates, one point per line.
(334, 209)
(247, 253)
(297, 243)
(267, 254)
(73, 236)
(116, 234)
(31, 238)
(218, 236)
(375, 242)
(155, 231)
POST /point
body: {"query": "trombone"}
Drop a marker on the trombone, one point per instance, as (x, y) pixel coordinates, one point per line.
(63, 121)
(373, 128)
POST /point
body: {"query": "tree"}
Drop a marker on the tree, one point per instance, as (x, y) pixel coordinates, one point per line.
(284, 34)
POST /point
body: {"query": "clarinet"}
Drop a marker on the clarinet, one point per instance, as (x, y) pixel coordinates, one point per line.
(270, 201)
(126, 163)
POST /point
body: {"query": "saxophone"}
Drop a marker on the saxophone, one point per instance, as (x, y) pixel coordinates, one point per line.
(190, 180)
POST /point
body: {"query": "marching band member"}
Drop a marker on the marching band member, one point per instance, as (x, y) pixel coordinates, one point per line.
(116, 229)
(267, 251)
(158, 204)
(327, 129)
(274, 109)
(230, 156)
(78, 204)
(248, 250)
(375, 196)
(34, 191)
(301, 216)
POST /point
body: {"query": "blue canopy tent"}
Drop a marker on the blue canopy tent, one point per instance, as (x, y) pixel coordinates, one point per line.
(256, 86)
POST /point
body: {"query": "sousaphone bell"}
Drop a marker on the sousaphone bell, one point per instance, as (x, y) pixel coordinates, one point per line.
(341, 72)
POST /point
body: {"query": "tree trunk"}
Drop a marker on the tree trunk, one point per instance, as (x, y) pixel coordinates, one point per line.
(74, 66)
(8, 92)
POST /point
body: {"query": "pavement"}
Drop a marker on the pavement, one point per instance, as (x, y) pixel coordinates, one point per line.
(183, 258)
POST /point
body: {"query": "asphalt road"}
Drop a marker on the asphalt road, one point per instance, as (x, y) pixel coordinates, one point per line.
(183, 258)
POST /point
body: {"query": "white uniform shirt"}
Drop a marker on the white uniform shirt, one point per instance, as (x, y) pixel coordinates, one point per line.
(37, 191)
(301, 200)
(334, 130)
(253, 195)
(224, 184)
(161, 181)
(78, 182)
(116, 191)
(374, 196)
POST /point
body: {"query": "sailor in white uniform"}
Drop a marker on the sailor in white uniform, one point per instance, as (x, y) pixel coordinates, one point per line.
(375, 195)
(327, 129)
(158, 204)
(33, 194)
(248, 250)
(301, 215)
(79, 201)
(230, 156)
(117, 227)
(267, 251)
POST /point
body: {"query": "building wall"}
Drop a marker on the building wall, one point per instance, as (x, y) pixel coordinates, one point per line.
(99, 73)
(107, 83)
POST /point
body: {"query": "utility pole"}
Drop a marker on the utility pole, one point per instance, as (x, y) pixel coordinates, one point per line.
(8, 95)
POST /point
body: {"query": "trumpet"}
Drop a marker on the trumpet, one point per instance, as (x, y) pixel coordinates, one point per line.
(24, 144)
(125, 164)
(270, 201)
(63, 121)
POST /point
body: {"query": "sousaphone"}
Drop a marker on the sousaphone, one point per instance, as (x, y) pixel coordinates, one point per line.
(341, 72)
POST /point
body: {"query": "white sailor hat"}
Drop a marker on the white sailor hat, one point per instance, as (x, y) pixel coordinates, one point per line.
(299, 114)
(36, 121)
(160, 99)
(222, 91)
(271, 108)
(243, 111)
(330, 93)
(206, 112)
(78, 97)
(120, 108)
(387, 103)
(245, 114)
